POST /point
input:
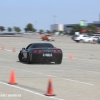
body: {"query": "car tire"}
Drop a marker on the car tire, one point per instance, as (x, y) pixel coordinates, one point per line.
(20, 57)
(77, 41)
(58, 62)
(88, 41)
(48, 40)
(28, 59)
(81, 41)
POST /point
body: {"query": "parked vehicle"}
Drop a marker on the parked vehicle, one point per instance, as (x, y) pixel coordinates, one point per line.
(98, 40)
(48, 37)
(97, 35)
(74, 36)
(90, 39)
(81, 37)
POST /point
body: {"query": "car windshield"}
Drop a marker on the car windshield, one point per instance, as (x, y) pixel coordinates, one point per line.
(48, 35)
(44, 45)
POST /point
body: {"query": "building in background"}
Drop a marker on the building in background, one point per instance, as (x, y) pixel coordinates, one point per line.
(57, 27)
(97, 24)
(68, 27)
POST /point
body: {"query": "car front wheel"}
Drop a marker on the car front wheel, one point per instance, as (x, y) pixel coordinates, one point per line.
(20, 57)
(28, 59)
(81, 41)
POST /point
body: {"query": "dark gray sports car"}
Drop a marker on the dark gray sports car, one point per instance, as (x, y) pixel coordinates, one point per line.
(40, 52)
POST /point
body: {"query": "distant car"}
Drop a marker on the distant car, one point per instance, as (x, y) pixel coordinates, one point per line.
(98, 40)
(81, 37)
(90, 39)
(48, 37)
(41, 52)
(74, 36)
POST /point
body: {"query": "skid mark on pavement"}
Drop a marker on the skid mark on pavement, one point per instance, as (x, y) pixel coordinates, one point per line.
(14, 86)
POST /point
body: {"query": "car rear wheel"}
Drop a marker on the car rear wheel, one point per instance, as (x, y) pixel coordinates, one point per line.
(48, 40)
(58, 62)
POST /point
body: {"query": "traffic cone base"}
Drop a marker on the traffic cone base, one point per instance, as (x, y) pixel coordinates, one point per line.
(50, 89)
(12, 78)
(50, 94)
(14, 49)
(12, 83)
(3, 48)
(71, 56)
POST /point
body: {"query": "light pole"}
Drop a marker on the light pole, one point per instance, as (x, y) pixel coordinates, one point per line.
(54, 19)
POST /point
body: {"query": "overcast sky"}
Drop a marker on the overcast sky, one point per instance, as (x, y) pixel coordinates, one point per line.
(41, 12)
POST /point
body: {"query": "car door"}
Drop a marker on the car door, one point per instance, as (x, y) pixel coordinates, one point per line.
(25, 51)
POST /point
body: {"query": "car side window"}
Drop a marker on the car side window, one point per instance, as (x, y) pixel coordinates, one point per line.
(85, 36)
(28, 46)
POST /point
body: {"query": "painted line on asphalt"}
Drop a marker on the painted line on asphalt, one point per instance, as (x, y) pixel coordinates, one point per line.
(36, 93)
(9, 50)
(51, 76)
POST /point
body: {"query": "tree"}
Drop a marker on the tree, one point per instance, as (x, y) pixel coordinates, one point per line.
(91, 28)
(17, 29)
(2, 28)
(60, 32)
(34, 30)
(9, 29)
(48, 31)
(41, 30)
(76, 28)
(25, 29)
(54, 31)
(30, 28)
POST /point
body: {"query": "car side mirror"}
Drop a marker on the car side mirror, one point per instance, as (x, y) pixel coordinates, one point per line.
(23, 48)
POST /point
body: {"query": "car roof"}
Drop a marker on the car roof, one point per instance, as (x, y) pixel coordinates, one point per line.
(40, 43)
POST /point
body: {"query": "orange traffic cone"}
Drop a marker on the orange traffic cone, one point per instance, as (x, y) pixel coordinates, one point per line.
(71, 56)
(12, 78)
(50, 89)
(14, 49)
(2, 47)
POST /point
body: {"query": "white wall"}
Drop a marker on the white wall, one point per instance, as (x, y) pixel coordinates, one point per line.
(58, 27)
